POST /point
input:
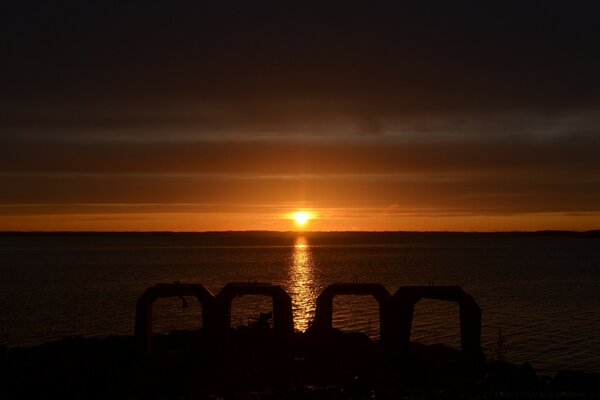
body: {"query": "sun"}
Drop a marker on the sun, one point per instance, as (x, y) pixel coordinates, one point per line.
(301, 217)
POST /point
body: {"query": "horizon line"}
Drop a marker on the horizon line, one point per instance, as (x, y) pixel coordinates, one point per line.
(299, 232)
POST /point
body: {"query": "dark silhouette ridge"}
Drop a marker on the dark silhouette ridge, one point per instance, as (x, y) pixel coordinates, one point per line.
(396, 313)
(262, 321)
(324, 363)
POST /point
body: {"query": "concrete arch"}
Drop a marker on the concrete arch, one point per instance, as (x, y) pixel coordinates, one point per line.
(143, 318)
(324, 311)
(283, 320)
(406, 297)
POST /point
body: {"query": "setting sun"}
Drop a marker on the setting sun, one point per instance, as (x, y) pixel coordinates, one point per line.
(301, 217)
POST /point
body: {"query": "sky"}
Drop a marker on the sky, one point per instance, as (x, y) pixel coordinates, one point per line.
(369, 115)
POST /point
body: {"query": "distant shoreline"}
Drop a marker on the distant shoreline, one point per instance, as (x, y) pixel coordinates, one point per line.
(267, 233)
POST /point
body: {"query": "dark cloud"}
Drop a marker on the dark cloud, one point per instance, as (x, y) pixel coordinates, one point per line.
(490, 175)
(571, 154)
(385, 58)
(469, 195)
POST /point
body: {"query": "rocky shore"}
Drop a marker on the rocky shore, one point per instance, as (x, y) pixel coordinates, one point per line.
(254, 366)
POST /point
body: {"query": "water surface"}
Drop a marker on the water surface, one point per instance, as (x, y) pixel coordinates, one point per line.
(543, 291)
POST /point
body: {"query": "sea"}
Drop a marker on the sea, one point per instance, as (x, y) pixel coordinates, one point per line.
(539, 292)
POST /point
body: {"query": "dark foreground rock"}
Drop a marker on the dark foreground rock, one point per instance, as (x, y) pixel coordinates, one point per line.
(255, 366)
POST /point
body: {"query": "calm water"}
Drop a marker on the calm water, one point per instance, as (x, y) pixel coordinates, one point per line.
(543, 291)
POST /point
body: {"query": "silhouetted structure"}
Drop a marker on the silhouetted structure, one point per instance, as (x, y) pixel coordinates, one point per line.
(192, 364)
(406, 297)
(395, 312)
(324, 312)
(263, 320)
(143, 320)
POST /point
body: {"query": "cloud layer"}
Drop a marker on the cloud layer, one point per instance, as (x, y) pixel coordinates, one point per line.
(467, 110)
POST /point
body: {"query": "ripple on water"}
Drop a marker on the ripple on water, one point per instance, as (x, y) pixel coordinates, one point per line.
(541, 291)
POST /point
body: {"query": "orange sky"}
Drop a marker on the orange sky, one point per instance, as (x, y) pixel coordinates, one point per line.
(452, 179)
(264, 221)
(458, 179)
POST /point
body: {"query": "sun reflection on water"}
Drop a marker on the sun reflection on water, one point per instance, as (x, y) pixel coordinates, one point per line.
(302, 284)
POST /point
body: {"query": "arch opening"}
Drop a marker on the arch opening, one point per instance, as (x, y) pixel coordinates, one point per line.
(281, 314)
(176, 314)
(145, 310)
(357, 313)
(436, 321)
(324, 312)
(247, 310)
(406, 297)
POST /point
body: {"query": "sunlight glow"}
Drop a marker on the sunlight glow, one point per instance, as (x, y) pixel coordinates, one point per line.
(301, 217)
(302, 284)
